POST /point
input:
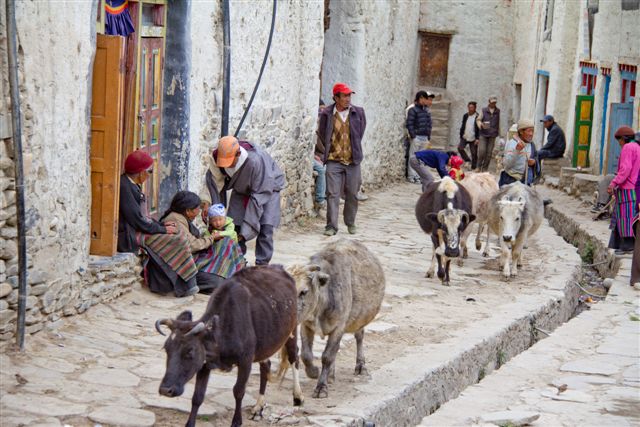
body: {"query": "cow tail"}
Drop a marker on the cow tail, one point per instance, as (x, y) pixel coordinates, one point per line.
(284, 366)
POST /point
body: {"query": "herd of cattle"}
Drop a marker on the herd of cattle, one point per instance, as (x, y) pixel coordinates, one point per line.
(256, 312)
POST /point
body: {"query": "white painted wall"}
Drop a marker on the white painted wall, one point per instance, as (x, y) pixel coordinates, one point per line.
(475, 72)
(370, 45)
(284, 112)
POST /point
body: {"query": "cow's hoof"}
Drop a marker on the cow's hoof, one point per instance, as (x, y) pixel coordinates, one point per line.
(298, 401)
(460, 262)
(428, 274)
(256, 413)
(320, 392)
(445, 283)
(485, 254)
(465, 253)
(440, 274)
(361, 369)
(478, 246)
(312, 371)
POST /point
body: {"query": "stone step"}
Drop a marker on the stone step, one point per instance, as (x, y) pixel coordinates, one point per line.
(585, 185)
(567, 173)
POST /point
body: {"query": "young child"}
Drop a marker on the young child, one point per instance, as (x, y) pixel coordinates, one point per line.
(456, 171)
(220, 225)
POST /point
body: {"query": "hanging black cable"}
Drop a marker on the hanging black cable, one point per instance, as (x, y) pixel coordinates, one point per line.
(264, 63)
(12, 53)
(226, 67)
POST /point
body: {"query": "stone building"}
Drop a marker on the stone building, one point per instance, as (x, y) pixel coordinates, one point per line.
(88, 99)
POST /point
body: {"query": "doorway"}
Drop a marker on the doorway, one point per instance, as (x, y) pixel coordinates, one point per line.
(621, 115)
(434, 59)
(582, 130)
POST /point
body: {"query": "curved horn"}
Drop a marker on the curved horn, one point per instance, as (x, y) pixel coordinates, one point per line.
(466, 216)
(167, 322)
(196, 329)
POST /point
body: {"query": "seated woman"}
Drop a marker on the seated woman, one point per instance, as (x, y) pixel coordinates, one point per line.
(217, 253)
(136, 230)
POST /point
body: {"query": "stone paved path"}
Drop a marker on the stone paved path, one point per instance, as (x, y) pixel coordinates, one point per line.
(587, 373)
(104, 367)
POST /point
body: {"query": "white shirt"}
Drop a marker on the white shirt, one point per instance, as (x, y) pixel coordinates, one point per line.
(343, 114)
(469, 128)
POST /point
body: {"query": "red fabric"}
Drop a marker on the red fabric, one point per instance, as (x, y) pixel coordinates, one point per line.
(137, 161)
(456, 161)
(341, 88)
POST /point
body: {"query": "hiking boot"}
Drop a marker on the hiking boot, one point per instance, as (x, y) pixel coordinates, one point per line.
(330, 231)
(352, 229)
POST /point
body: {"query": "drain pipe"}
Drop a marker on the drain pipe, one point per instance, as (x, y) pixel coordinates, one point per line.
(264, 63)
(226, 67)
(16, 118)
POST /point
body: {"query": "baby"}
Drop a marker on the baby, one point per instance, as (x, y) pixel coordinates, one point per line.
(456, 171)
(220, 225)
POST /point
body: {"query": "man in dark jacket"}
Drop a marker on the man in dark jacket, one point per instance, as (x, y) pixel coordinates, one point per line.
(556, 142)
(254, 205)
(424, 159)
(469, 135)
(489, 124)
(341, 128)
(419, 126)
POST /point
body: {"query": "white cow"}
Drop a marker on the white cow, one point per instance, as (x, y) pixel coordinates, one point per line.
(482, 187)
(516, 212)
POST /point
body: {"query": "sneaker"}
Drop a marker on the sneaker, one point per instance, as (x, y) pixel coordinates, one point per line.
(352, 229)
(361, 196)
(330, 231)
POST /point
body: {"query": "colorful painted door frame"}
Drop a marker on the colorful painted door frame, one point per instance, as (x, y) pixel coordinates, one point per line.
(607, 83)
(582, 130)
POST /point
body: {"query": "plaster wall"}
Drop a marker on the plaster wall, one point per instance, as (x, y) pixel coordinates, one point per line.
(481, 54)
(371, 46)
(283, 116)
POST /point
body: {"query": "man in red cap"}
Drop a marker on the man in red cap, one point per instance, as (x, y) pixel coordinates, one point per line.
(341, 128)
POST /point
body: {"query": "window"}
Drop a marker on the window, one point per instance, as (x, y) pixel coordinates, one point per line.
(630, 4)
(548, 20)
(589, 74)
(628, 75)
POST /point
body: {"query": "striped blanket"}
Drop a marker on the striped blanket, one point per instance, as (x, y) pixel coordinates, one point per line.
(223, 258)
(623, 212)
(173, 249)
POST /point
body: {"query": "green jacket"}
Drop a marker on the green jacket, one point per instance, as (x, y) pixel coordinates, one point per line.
(228, 231)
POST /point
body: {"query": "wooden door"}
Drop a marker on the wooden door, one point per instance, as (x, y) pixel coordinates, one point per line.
(582, 130)
(106, 142)
(150, 112)
(434, 60)
(621, 115)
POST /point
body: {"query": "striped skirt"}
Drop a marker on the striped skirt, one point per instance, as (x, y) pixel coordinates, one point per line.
(223, 258)
(625, 210)
(173, 249)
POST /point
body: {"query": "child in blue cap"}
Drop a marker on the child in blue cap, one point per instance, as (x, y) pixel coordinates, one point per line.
(221, 225)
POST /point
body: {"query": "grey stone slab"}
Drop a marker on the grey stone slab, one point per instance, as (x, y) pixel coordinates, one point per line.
(41, 405)
(381, 327)
(589, 366)
(110, 377)
(180, 403)
(46, 422)
(623, 346)
(569, 396)
(512, 418)
(330, 420)
(632, 373)
(582, 382)
(124, 417)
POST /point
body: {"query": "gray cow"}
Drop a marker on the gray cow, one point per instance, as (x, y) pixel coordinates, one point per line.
(516, 213)
(340, 291)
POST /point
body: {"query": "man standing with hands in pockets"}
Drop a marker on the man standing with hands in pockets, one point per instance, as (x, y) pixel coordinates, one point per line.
(489, 123)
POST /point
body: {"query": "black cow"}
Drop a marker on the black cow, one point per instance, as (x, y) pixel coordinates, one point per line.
(444, 212)
(248, 319)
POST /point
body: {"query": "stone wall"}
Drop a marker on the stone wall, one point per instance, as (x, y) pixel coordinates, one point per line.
(282, 118)
(371, 46)
(481, 54)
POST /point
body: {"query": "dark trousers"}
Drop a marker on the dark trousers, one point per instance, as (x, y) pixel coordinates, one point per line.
(339, 177)
(635, 262)
(264, 244)
(473, 147)
(547, 154)
(485, 151)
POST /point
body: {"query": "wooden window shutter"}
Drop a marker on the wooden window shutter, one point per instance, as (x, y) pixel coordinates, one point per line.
(106, 142)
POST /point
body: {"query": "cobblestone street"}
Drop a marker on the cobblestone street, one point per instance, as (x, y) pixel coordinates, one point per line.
(104, 367)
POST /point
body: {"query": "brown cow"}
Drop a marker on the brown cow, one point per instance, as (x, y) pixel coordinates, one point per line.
(250, 317)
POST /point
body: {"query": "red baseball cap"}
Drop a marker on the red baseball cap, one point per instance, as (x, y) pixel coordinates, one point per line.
(342, 88)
